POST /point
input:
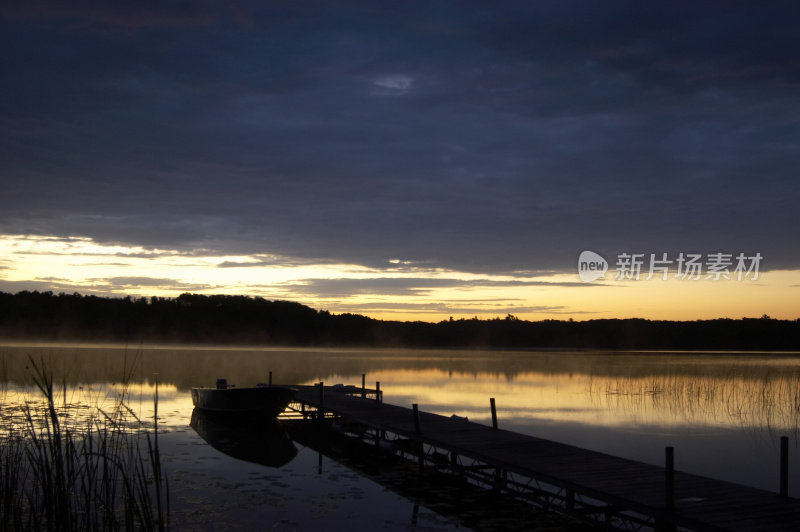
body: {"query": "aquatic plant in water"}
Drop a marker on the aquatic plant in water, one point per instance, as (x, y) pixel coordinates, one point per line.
(66, 469)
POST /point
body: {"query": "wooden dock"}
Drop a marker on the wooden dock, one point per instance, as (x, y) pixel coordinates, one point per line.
(597, 487)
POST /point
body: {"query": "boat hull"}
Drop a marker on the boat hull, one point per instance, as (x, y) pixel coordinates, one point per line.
(264, 400)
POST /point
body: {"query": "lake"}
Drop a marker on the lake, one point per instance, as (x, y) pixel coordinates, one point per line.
(723, 412)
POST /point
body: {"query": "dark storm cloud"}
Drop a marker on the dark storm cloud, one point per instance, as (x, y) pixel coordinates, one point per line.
(119, 14)
(474, 136)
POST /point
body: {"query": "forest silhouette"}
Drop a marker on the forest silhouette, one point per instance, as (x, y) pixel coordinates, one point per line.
(244, 320)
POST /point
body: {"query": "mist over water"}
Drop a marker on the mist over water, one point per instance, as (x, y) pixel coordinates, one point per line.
(722, 412)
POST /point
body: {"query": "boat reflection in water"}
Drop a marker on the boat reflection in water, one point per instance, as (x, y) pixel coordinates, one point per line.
(256, 439)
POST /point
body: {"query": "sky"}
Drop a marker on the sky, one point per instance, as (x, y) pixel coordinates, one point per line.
(406, 160)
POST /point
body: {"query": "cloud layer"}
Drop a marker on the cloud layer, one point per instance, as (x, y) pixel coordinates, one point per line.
(460, 135)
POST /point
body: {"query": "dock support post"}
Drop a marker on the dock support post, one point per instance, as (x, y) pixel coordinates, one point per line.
(418, 430)
(494, 413)
(669, 478)
(784, 479)
(378, 392)
(321, 411)
(500, 479)
(363, 385)
(270, 378)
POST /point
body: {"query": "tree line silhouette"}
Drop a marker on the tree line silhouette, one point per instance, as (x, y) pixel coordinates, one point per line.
(243, 320)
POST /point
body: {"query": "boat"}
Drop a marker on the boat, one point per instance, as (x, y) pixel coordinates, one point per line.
(263, 399)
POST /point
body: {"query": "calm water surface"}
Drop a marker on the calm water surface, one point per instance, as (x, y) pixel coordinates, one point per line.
(722, 412)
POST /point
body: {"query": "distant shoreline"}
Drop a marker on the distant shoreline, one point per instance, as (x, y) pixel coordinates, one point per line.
(247, 322)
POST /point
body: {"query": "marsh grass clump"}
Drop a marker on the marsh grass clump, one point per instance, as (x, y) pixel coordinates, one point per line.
(65, 468)
(748, 397)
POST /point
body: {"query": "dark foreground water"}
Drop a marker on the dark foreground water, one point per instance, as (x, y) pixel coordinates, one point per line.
(722, 412)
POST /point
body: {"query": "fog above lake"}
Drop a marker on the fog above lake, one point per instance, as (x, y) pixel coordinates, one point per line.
(723, 412)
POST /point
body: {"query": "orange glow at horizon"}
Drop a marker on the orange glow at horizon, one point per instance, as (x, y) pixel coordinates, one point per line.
(84, 266)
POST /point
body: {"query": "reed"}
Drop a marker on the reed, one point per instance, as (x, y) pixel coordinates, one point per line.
(763, 397)
(66, 470)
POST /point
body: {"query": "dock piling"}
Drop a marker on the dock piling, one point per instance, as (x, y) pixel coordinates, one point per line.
(420, 446)
(270, 378)
(363, 385)
(494, 413)
(569, 503)
(784, 476)
(378, 391)
(321, 411)
(669, 478)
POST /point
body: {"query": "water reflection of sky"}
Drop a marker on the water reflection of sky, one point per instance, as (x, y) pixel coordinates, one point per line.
(212, 491)
(722, 413)
(657, 400)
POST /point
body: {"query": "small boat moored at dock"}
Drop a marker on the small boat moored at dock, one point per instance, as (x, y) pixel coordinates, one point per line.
(263, 399)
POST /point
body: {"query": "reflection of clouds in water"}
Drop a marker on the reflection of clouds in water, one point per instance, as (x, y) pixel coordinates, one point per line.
(738, 396)
(666, 400)
(98, 400)
(207, 486)
(626, 404)
(595, 388)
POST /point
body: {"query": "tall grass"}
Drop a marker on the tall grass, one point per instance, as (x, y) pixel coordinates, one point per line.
(61, 469)
(749, 397)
